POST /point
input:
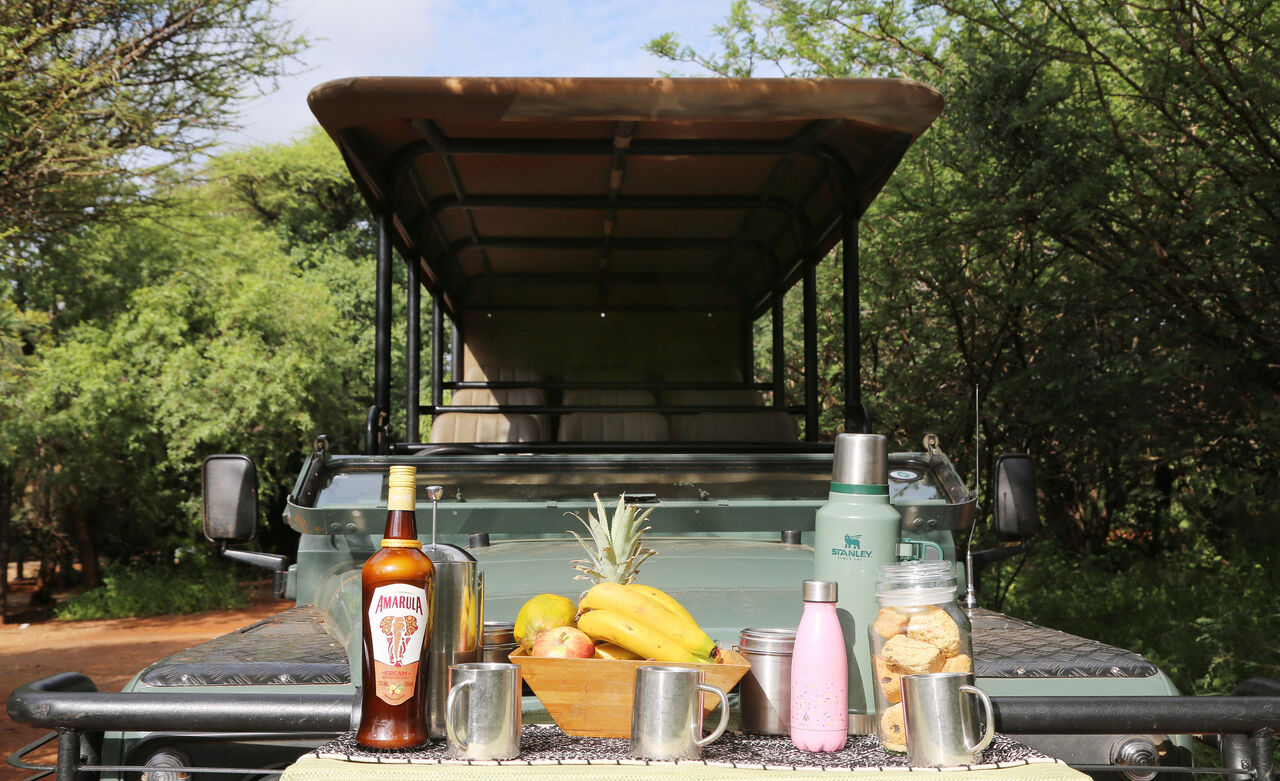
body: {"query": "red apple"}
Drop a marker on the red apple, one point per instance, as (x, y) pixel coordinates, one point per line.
(563, 642)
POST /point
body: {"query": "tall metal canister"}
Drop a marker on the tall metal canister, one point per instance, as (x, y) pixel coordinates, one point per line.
(457, 619)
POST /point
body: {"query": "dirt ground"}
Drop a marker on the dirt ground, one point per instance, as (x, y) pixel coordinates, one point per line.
(34, 645)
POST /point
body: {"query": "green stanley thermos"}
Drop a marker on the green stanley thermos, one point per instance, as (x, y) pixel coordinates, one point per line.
(856, 532)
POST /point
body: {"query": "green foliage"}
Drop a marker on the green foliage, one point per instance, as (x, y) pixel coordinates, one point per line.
(1207, 622)
(96, 95)
(201, 326)
(1086, 237)
(157, 589)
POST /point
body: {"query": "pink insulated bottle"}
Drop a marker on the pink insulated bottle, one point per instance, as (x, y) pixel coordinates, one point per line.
(819, 673)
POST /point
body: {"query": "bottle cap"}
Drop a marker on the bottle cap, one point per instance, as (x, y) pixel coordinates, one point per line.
(819, 591)
(860, 459)
(402, 483)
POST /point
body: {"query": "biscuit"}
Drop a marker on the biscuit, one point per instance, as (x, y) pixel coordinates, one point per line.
(888, 679)
(910, 656)
(958, 664)
(893, 730)
(935, 627)
(890, 622)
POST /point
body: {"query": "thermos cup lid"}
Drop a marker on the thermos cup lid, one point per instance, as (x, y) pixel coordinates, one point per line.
(819, 591)
(861, 459)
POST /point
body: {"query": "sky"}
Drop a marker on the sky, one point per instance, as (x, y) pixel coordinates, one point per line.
(476, 38)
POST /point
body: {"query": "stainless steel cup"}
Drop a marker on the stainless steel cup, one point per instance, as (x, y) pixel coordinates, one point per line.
(764, 701)
(482, 712)
(666, 714)
(941, 719)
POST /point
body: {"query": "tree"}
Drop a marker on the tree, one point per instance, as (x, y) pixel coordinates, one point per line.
(19, 333)
(1088, 235)
(97, 97)
(211, 324)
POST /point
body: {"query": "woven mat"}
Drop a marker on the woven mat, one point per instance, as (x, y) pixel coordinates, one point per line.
(543, 745)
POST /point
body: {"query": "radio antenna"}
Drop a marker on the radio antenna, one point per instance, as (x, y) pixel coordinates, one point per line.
(970, 587)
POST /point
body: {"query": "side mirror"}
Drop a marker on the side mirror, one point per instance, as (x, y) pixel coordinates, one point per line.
(1015, 513)
(230, 498)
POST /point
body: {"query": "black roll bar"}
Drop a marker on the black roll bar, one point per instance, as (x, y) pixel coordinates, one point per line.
(70, 703)
(70, 700)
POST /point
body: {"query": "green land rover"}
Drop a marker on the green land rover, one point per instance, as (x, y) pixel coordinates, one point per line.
(601, 250)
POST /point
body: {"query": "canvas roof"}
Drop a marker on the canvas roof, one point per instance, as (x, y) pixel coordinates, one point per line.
(609, 193)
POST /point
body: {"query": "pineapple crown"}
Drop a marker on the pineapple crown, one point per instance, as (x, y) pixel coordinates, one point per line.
(618, 552)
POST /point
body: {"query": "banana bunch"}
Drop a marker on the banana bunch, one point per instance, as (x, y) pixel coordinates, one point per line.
(645, 621)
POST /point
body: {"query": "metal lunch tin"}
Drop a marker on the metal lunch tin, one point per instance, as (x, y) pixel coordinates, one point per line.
(499, 640)
(765, 692)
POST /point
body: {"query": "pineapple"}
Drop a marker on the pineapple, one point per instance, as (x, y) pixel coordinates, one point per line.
(618, 552)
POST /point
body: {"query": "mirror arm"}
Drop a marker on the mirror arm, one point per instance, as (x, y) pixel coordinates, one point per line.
(981, 558)
(975, 560)
(276, 563)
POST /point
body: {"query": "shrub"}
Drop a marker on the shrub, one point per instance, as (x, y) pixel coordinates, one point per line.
(1207, 622)
(130, 591)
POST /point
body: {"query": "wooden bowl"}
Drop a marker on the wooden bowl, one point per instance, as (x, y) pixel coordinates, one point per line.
(592, 697)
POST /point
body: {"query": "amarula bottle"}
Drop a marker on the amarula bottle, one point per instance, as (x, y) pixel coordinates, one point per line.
(397, 586)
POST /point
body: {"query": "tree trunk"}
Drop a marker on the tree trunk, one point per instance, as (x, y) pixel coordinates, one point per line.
(5, 509)
(84, 547)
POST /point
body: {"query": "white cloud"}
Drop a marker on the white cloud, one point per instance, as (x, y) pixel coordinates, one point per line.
(478, 38)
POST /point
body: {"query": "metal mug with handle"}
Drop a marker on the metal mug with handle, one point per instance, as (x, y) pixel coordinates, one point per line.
(666, 714)
(941, 719)
(482, 711)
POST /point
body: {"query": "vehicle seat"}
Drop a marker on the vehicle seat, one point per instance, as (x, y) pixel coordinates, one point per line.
(491, 373)
(484, 427)
(482, 397)
(767, 425)
(607, 397)
(682, 426)
(613, 427)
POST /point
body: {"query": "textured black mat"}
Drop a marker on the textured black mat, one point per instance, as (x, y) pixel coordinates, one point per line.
(546, 744)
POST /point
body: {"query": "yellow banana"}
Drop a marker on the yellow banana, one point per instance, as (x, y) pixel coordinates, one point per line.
(656, 612)
(662, 597)
(640, 639)
(614, 651)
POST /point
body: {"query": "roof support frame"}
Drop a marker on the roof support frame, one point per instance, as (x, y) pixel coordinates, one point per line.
(801, 142)
(382, 320)
(588, 243)
(428, 130)
(811, 352)
(857, 419)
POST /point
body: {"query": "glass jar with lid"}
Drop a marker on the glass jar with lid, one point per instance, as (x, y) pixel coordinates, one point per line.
(920, 628)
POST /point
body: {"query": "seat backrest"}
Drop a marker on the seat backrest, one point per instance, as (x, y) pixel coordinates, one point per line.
(491, 373)
(766, 425)
(484, 427)
(483, 397)
(607, 397)
(613, 427)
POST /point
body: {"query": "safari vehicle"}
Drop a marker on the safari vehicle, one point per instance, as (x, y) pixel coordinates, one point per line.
(602, 249)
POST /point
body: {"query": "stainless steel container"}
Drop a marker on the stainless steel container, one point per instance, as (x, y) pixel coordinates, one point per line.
(764, 699)
(499, 640)
(457, 615)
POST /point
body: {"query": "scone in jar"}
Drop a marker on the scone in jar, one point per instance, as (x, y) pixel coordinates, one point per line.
(920, 628)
